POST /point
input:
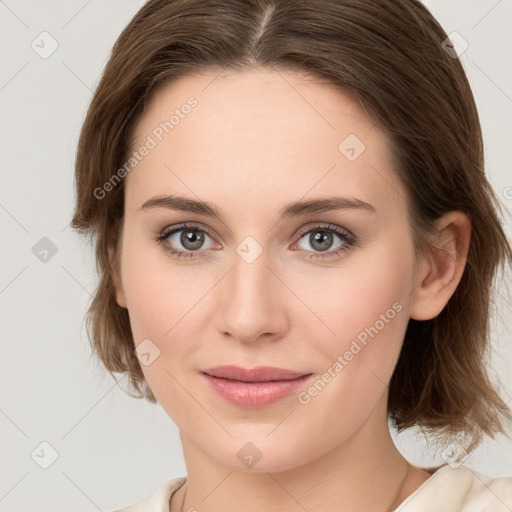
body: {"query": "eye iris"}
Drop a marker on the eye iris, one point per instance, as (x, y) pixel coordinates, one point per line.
(319, 238)
(192, 239)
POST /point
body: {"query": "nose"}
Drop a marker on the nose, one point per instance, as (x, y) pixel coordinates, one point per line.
(252, 302)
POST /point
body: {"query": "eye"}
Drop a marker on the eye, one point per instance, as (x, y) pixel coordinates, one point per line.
(322, 237)
(185, 240)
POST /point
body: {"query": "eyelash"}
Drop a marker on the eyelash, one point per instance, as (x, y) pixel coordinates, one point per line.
(345, 236)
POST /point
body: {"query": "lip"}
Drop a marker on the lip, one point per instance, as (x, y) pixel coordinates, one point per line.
(256, 387)
(258, 374)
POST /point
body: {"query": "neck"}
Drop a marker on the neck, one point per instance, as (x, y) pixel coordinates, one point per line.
(365, 472)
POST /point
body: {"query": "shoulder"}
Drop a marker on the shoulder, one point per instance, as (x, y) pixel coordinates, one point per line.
(489, 494)
(158, 500)
(460, 489)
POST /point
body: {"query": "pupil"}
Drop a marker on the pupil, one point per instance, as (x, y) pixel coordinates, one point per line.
(319, 240)
(192, 239)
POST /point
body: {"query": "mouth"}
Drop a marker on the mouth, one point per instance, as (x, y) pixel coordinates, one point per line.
(254, 388)
(259, 374)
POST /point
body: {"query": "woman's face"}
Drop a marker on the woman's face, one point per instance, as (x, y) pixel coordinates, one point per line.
(324, 290)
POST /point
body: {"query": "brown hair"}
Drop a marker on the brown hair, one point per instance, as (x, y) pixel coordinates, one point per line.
(389, 55)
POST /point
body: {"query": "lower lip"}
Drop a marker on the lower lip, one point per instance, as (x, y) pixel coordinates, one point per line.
(255, 394)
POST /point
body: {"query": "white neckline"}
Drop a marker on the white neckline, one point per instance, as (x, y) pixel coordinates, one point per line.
(421, 487)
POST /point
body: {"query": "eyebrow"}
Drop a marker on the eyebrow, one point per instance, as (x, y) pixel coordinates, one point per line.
(296, 209)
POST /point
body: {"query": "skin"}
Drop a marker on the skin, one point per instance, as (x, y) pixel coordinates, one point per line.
(258, 140)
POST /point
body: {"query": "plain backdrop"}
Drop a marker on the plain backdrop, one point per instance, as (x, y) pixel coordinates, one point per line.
(101, 448)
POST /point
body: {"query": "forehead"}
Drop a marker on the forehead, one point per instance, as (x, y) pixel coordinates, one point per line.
(258, 133)
(260, 98)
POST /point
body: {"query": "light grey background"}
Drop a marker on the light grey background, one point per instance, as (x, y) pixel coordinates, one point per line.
(112, 449)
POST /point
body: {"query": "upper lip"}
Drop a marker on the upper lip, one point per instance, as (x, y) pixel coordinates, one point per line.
(258, 374)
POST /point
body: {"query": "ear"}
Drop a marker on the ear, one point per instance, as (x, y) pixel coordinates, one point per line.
(440, 273)
(116, 276)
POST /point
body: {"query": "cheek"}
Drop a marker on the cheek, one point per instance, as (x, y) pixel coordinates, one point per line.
(158, 293)
(355, 296)
(165, 307)
(364, 308)
(162, 313)
(369, 316)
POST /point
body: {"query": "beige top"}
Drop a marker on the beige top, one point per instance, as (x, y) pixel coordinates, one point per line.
(449, 489)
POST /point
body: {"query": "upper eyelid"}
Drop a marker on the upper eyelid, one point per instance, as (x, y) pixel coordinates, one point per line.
(328, 226)
(298, 233)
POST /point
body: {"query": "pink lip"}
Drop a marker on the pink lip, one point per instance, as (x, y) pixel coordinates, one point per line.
(257, 387)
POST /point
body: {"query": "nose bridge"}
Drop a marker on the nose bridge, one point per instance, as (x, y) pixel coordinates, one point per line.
(250, 302)
(249, 280)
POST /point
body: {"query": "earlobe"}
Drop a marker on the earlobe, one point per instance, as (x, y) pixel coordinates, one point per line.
(116, 277)
(440, 273)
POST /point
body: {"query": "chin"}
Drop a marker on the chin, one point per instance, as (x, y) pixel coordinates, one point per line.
(262, 456)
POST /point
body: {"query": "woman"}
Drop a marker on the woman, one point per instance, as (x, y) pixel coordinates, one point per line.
(296, 242)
